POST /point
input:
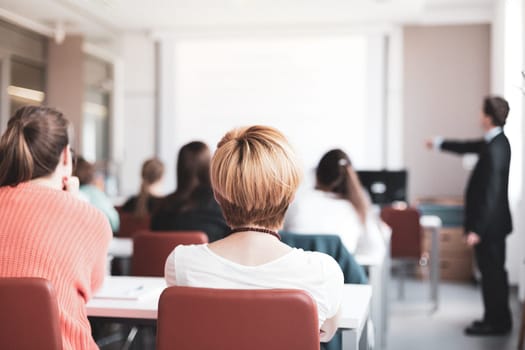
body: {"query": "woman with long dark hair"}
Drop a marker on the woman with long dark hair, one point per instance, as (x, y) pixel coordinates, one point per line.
(192, 205)
(45, 229)
(339, 205)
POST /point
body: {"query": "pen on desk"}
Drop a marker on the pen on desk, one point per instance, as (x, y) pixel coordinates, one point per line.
(136, 289)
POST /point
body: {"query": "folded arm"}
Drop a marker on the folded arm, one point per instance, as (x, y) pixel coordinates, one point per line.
(329, 327)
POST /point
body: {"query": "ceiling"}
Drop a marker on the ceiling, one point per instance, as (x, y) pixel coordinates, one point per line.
(99, 18)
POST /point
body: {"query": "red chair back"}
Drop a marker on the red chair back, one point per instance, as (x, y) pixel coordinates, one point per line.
(151, 249)
(130, 224)
(406, 231)
(225, 319)
(28, 315)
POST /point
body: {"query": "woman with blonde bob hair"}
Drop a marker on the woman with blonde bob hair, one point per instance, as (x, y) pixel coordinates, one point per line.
(255, 174)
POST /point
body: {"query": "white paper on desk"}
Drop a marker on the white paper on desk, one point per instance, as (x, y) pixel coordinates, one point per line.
(125, 290)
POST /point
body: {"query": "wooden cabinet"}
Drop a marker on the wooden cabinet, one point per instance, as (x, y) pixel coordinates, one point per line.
(455, 257)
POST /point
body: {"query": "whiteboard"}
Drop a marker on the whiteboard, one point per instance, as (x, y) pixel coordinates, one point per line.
(315, 89)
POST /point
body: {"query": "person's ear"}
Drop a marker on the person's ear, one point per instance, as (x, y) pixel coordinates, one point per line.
(68, 157)
(65, 155)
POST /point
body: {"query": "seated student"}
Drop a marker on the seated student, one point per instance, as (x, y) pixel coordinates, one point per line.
(149, 196)
(255, 174)
(45, 229)
(85, 171)
(192, 206)
(338, 205)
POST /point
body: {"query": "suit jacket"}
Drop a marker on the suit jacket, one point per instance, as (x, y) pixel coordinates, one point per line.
(487, 210)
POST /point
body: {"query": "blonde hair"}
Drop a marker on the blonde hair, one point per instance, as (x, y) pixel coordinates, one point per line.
(254, 174)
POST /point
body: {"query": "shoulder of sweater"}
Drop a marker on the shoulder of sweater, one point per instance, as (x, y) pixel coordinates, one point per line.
(77, 207)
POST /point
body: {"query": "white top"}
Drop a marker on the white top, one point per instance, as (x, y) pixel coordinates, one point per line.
(320, 212)
(316, 273)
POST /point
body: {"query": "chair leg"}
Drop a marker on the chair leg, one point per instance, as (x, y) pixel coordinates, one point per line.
(522, 328)
(401, 290)
(110, 339)
(131, 337)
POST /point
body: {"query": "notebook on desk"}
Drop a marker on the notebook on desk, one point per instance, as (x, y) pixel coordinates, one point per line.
(126, 290)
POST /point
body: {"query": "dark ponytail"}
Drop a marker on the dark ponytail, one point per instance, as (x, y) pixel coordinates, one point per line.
(335, 174)
(32, 144)
(152, 172)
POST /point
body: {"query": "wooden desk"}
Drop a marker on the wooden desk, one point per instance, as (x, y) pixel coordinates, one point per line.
(355, 308)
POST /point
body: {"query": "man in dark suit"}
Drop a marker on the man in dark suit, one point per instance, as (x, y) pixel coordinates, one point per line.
(487, 214)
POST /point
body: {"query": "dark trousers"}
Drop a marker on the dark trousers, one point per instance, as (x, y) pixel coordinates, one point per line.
(490, 256)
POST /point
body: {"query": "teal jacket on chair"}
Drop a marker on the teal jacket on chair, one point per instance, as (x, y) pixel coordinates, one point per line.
(333, 246)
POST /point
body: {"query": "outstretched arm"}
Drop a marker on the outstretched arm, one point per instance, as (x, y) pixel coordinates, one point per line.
(455, 146)
(462, 147)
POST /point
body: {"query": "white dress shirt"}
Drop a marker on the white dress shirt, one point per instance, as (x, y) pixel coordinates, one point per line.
(492, 133)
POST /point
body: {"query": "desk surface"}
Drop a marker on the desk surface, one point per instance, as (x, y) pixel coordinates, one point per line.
(356, 302)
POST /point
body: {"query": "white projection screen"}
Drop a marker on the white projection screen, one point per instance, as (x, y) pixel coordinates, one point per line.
(321, 91)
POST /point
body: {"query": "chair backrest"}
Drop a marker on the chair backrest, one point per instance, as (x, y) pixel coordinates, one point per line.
(225, 319)
(151, 249)
(130, 224)
(29, 316)
(406, 231)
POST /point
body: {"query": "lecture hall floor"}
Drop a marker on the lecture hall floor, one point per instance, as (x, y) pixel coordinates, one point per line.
(413, 327)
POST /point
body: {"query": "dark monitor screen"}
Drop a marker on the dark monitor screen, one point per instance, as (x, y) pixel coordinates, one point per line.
(385, 187)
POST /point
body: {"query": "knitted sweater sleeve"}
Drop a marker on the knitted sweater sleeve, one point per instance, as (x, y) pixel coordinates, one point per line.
(95, 239)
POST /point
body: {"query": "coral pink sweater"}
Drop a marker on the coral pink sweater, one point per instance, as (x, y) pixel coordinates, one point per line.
(51, 234)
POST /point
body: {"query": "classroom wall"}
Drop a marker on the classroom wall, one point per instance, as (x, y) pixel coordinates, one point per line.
(138, 59)
(446, 75)
(65, 81)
